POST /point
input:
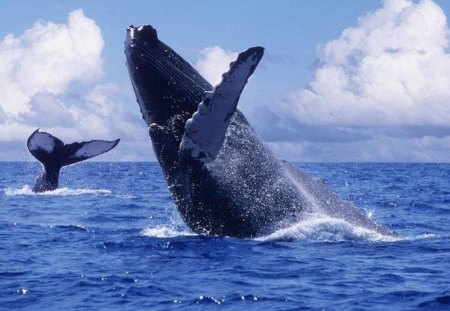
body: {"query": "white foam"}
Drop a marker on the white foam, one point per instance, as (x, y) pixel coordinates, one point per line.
(126, 196)
(421, 237)
(26, 190)
(162, 231)
(322, 228)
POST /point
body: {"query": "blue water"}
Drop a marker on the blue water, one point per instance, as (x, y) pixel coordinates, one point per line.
(110, 238)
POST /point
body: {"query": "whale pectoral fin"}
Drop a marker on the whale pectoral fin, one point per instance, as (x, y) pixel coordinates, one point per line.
(77, 152)
(43, 146)
(205, 132)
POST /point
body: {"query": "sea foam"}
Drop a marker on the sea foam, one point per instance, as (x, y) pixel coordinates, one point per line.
(162, 231)
(26, 190)
(323, 228)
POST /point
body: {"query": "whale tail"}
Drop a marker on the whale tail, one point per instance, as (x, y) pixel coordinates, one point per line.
(53, 153)
(205, 132)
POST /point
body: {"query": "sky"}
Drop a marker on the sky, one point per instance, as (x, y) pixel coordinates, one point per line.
(344, 80)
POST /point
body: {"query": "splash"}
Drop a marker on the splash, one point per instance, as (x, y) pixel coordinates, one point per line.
(322, 228)
(309, 197)
(26, 190)
(313, 228)
(162, 231)
(322, 200)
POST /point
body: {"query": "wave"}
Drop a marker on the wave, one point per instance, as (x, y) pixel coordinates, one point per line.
(78, 228)
(26, 190)
(422, 237)
(323, 228)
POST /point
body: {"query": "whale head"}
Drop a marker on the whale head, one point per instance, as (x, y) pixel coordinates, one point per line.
(164, 83)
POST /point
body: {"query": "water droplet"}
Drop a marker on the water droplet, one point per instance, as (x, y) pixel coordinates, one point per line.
(23, 291)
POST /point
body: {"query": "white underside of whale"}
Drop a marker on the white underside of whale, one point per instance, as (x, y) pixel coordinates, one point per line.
(205, 131)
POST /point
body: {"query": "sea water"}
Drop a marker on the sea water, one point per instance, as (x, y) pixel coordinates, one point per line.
(110, 238)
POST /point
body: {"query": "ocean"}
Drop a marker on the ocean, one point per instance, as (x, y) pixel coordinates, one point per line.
(111, 239)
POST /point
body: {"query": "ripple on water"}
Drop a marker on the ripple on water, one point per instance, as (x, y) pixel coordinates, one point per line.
(72, 248)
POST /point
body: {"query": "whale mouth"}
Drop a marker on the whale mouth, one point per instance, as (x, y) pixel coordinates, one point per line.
(164, 83)
(145, 34)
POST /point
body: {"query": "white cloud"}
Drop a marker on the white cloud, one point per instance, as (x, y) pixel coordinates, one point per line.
(95, 115)
(47, 58)
(2, 115)
(378, 149)
(213, 62)
(392, 69)
(380, 92)
(37, 69)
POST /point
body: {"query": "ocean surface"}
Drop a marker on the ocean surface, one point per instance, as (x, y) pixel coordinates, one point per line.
(111, 239)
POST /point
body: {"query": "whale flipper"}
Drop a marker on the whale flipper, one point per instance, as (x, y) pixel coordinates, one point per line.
(205, 131)
(54, 154)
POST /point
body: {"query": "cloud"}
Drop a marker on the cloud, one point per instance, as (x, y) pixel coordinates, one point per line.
(378, 149)
(37, 69)
(392, 69)
(379, 92)
(2, 115)
(213, 62)
(47, 58)
(94, 115)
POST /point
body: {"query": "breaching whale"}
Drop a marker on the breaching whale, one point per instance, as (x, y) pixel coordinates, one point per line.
(224, 180)
(54, 154)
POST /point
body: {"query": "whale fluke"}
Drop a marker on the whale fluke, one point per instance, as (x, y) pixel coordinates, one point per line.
(77, 152)
(43, 147)
(205, 132)
(54, 154)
